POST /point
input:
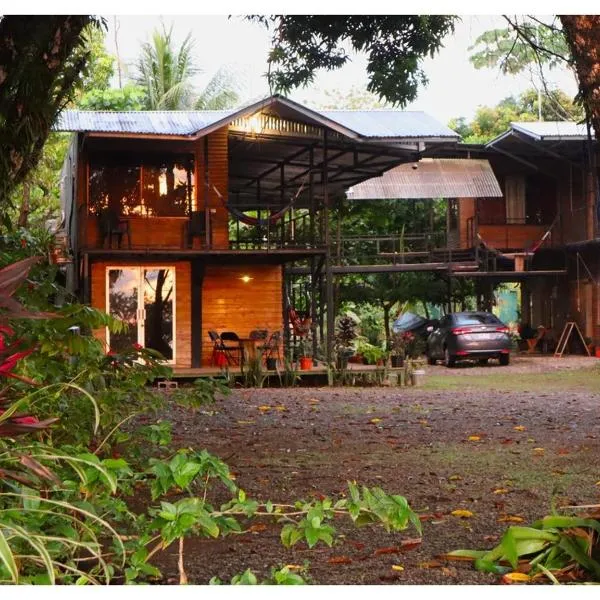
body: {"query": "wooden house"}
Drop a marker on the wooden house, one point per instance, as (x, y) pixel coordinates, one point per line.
(181, 223)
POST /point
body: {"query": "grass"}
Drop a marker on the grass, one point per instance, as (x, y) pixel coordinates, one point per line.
(584, 380)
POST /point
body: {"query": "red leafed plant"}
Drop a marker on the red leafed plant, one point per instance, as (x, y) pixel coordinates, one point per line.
(13, 423)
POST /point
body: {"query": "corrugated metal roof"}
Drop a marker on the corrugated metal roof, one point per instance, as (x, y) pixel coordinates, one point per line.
(552, 130)
(431, 178)
(390, 123)
(149, 122)
(367, 124)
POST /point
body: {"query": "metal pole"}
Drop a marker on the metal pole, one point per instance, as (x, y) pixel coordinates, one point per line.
(328, 271)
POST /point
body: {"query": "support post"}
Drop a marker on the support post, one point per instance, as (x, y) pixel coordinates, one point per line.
(196, 321)
(328, 270)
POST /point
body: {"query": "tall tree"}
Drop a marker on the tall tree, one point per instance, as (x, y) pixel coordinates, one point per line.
(41, 62)
(582, 33)
(395, 47)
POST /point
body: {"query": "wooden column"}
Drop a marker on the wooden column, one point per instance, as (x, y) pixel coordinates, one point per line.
(328, 270)
(196, 280)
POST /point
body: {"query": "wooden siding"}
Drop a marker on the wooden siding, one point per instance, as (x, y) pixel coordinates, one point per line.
(155, 232)
(218, 177)
(167, 232)
(466, 211)
(183, 307)
(512, 236)
(229, 304)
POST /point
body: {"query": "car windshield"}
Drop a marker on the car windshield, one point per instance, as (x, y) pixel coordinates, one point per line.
(477, 319)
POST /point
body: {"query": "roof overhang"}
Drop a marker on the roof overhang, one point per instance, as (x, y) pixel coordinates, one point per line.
(431, 178)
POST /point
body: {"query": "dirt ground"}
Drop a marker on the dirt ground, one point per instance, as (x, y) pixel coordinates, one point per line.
(505, 443)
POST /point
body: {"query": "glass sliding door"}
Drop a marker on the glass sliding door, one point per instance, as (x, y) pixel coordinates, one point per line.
(159, 292)
(144, 298)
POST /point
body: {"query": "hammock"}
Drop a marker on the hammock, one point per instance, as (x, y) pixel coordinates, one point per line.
(300, 326)
(529, 251)
(270, 220)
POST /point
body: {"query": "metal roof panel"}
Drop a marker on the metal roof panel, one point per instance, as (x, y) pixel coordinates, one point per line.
(431, 178)
(552, 130)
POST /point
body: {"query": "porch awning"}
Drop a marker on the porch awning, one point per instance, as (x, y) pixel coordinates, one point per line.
(431, 178)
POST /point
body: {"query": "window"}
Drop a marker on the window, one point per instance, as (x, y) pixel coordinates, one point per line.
(149, 186)
(477, 319)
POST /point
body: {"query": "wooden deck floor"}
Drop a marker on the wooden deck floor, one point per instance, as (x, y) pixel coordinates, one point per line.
(184, 373)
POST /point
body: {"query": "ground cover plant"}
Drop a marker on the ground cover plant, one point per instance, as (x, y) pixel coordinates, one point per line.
(92, 484)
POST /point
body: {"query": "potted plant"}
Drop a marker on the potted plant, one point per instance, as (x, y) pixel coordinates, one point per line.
(398, 349)
(344, 337)
(305, 358)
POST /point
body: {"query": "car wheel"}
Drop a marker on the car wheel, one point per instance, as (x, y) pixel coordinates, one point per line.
(449, 360)
(504, 359)
(431, 360)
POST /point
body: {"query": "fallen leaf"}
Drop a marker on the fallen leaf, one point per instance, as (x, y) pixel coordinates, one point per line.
(314, 401)
(264, 408)
(597, 483)
(500, 491)
(462, 513)
(375, 420)
(280, 408)
(506, 441)
(388, 550)
(538, 451)
(474, 438)
(245, 422)
(515, 578)
(449, 572)
(454, 478)
(430, 564)
(520, 428)
(563, 451)
(431, 516)
(510, 519)
(410, 544)
(397, 568)
(258, 527)
(339, 560)
(294, 567)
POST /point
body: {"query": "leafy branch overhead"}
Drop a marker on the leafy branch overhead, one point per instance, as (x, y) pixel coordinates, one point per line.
(395, 47)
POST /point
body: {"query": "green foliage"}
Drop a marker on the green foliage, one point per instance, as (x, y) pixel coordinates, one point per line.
(395, 47)
(201, 393)
(551, 546)
(281, 576)
(354, 99)
(490, 122)
(42, 62)
(509, 51)
(130, 97)
(164, 72)
(221, 92)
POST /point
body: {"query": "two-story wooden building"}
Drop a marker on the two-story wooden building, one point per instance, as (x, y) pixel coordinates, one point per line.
(180, 223)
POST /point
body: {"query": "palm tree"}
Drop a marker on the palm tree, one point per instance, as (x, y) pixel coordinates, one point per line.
(165, 72)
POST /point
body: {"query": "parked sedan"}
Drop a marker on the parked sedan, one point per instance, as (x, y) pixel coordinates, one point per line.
(469, 335)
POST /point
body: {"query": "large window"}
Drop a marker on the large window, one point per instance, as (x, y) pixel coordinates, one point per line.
(149, 186)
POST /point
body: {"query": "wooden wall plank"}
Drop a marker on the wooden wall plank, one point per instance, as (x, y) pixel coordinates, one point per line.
(229, 304)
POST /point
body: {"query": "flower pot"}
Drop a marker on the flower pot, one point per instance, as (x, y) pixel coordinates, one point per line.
(597, 351)
(271, 364)
(397, 362)
(306, 363)
(417, 376)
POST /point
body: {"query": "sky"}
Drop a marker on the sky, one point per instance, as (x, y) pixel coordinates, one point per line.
(455, 87)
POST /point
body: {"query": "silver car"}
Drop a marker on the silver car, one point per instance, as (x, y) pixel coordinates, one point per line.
(469, 335)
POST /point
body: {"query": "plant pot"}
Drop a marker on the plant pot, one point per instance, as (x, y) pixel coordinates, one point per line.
(342, 362)
(397, 362)
(271, 364)
(306, 363)
(417, 376)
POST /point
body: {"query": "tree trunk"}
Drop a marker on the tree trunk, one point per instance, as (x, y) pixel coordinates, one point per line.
(582, 33)
(386, 323)
(24, 212)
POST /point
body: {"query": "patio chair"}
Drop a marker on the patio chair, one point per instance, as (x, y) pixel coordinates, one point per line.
(258, 334)
(110, 224)
(195, 227)
(233, 351)
(271, 348)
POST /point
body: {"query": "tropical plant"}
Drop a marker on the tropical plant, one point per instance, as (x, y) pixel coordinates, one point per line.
(557, 548)
(165, 72)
